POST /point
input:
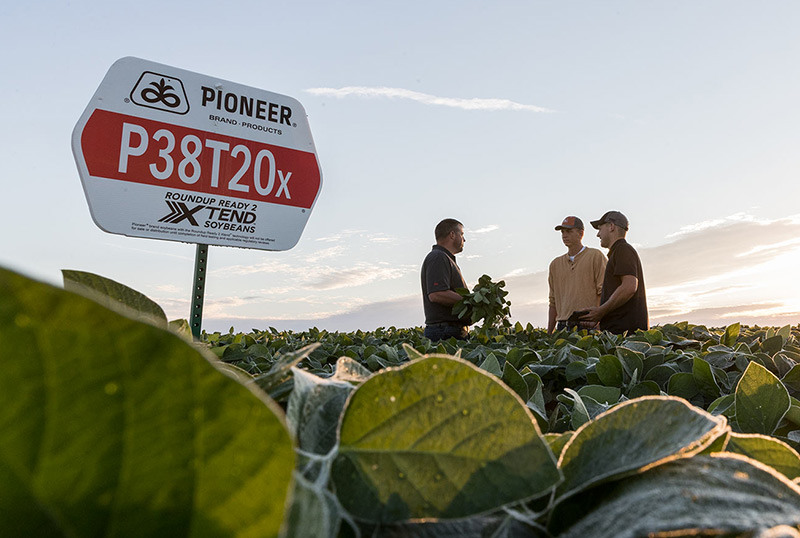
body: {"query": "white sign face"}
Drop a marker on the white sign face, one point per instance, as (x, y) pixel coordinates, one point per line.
(165, 153)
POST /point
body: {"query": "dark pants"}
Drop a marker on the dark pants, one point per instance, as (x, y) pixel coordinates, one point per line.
(443, 331)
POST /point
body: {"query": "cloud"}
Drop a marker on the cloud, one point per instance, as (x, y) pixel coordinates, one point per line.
(344, 234)
(326, 253)
(381, 238)
(514, 272)
(329, 278)
(713, 223)
(764, 314)
(400, 93)
(485, 229)
(776, 248)
(167, 289)
(399, 312)
(712, 251)
(527, 289)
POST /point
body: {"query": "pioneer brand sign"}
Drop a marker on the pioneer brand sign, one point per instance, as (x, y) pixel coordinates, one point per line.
(169, 154)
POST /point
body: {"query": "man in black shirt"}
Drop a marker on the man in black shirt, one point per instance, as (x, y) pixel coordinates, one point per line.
(623, 304)
(440, 277)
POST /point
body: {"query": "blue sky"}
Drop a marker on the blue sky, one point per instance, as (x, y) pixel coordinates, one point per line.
(507, 116)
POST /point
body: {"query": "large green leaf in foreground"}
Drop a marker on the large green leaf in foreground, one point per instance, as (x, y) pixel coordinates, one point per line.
(767, 450)
(722, 493)
(109, 426)
(634, 434)
(112, 294)
(438, 438)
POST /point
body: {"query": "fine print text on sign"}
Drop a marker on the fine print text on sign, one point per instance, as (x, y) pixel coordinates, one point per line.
(169, 154)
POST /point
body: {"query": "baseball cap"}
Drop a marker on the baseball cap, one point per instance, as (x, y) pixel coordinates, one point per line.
(569, 223)
(611, 216)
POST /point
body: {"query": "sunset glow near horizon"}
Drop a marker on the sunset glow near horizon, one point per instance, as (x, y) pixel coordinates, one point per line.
(508, 117)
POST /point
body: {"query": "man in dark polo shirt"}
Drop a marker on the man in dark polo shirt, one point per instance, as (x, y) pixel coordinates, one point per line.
(441, 276)
(623, 303)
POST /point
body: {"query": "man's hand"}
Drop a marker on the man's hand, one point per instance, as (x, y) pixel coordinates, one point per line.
(593, 315)
(623, 293)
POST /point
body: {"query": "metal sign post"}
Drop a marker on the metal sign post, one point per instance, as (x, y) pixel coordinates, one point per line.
(198, 289)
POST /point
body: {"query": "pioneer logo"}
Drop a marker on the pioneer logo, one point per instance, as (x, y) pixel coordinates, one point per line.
(162, 92)
(246, 106)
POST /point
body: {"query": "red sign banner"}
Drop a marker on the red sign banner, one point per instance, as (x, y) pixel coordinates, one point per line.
(129, 148)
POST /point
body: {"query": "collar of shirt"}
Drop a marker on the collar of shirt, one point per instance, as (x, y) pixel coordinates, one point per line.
(572, 258)
(617, 243)
(440, 247)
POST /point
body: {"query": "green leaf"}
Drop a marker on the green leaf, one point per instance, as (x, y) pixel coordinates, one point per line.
(723, 404)
(654, 336)
(558, 441)
(350, 370)
(600, 393)
(793, 415)
(313, 410)
(761, 400)
(424, 440)
(704, 378)
(767, 450)
(632, 435)
(515, 356)
(683, 385)
(278, 377)
(718, 444)
(645, 388)
(580, 415)
(719, 494)
(632, 361)
(791, 380)
(492, 365)
(730, 335)
(114, 295)
(110, 426)
(182, 327)
(661, 374)
(514, 380)
(609, 370)
(314, 512)
(576, 370)
(536, 401)
(772, 345)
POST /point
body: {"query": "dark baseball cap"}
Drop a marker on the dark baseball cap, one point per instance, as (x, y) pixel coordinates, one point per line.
(611, 216)
(570, 223)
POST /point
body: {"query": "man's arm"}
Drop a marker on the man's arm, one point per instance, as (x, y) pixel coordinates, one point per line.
(599, 275)
(621, 295)
(445, 298)
(551, 319)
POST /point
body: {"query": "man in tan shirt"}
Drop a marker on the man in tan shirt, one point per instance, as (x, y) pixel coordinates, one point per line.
(576, 278)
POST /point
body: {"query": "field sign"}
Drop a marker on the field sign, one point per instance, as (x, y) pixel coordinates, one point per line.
(165, 153)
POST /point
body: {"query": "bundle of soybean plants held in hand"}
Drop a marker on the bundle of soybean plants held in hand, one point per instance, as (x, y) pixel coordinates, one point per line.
(486, 302)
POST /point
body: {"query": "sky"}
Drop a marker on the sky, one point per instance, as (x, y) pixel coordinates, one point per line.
(507, 116)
